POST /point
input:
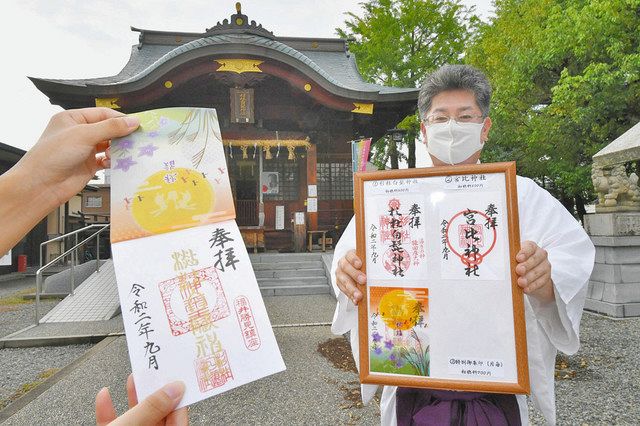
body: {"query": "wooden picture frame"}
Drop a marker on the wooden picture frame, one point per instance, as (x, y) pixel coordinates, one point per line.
(441, 308)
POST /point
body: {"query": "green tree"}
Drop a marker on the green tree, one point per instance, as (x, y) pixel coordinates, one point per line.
(566, 78)
(397, 42)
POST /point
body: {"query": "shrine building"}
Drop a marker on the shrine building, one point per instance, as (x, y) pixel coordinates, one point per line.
(287, 106)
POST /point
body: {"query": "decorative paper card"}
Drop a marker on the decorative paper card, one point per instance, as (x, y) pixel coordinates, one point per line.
(170, 174)
(190, 302)
(442, 309)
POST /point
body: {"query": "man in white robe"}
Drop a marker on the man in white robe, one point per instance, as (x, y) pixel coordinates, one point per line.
(554, 264)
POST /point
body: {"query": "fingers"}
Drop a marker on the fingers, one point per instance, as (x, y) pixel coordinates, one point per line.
(534, 271)
(105, 413)
(132, 396)
(155, 407)
(93, 115)
(529, 258)
(348, 274)
(96, 133)
(527, 248)
(104, 161)
(178, 418)
(102, 146)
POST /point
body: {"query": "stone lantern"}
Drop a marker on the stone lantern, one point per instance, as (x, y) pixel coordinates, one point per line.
(614, 287)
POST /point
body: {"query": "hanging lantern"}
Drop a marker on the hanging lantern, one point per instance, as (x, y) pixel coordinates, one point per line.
(255, 149)
(244, 151)
(267, 153)
(230, 151)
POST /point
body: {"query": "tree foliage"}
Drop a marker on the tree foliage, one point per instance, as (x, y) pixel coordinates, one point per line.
(566, 78)
(397, 42)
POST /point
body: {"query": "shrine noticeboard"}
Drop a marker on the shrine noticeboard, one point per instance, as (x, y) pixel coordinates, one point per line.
(442, 308)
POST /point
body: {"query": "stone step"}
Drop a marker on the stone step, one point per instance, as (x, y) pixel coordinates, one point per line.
(293, 281)
(295, 290)
(290, 273)
(283, 257)
(280, 265)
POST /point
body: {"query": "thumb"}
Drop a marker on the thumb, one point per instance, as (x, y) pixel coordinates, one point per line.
(155, 407)
(95, 133)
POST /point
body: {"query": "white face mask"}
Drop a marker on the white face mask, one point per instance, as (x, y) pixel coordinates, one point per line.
(454, 142)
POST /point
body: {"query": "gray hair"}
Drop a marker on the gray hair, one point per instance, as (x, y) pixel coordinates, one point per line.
(455, 77)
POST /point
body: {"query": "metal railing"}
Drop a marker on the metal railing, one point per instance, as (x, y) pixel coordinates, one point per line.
(74, 258)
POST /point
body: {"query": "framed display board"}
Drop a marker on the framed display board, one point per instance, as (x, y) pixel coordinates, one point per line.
(442, 308)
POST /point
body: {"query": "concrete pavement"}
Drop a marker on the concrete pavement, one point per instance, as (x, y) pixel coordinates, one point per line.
(311, 390)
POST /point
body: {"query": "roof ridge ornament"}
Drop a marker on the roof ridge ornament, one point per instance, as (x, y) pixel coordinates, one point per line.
(239, 24)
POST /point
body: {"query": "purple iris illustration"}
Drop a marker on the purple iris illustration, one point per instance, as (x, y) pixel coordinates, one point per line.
(147, 150)
(376, 337)
(388, 344)
(124, 164)
(378, 350)
(125, 144)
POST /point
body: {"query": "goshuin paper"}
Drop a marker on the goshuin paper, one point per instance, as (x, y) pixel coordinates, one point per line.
(439, 296)
(190, 301)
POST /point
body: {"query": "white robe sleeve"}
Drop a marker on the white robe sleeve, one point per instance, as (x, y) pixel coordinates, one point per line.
(345, 318)
(346, 315)
(547, 223)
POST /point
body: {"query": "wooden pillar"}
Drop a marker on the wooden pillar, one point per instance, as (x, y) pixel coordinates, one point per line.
(312, 162)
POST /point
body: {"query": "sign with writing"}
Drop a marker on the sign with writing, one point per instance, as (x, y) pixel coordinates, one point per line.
(312, 205)
(191, 306)
(279, 217)
(242, 110)
(442, 308)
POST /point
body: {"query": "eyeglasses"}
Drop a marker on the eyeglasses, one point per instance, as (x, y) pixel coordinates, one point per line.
(442, 119)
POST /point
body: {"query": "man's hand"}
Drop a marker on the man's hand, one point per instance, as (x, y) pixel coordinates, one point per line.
(156, 409)
(348, 274)
(534, 272)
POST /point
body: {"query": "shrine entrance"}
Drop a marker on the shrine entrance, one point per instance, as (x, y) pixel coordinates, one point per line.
(244, 177)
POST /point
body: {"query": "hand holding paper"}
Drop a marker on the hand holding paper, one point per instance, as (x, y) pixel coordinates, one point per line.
(190, 301)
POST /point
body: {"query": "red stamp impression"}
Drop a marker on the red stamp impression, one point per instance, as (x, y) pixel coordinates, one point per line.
(397, 261)
(247, 323)
(465, 241)
(213, 371)
(189, 295)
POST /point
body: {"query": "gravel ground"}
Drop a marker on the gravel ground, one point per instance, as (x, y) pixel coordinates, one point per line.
(21, 368)
(24, 367)
(17, 317)
(11, 286)
(600, 385)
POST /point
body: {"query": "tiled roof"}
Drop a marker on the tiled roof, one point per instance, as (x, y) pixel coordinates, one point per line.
(336, 67)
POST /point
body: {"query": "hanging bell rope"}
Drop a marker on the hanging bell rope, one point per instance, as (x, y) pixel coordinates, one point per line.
(292, 152)
(267, 144)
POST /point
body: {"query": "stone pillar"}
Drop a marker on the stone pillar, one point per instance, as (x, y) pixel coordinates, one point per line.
(614, 287)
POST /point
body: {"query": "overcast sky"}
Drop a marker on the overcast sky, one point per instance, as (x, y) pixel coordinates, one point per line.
(92, 38)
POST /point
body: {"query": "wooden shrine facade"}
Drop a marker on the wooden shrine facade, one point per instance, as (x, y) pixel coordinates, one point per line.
(287, 107)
